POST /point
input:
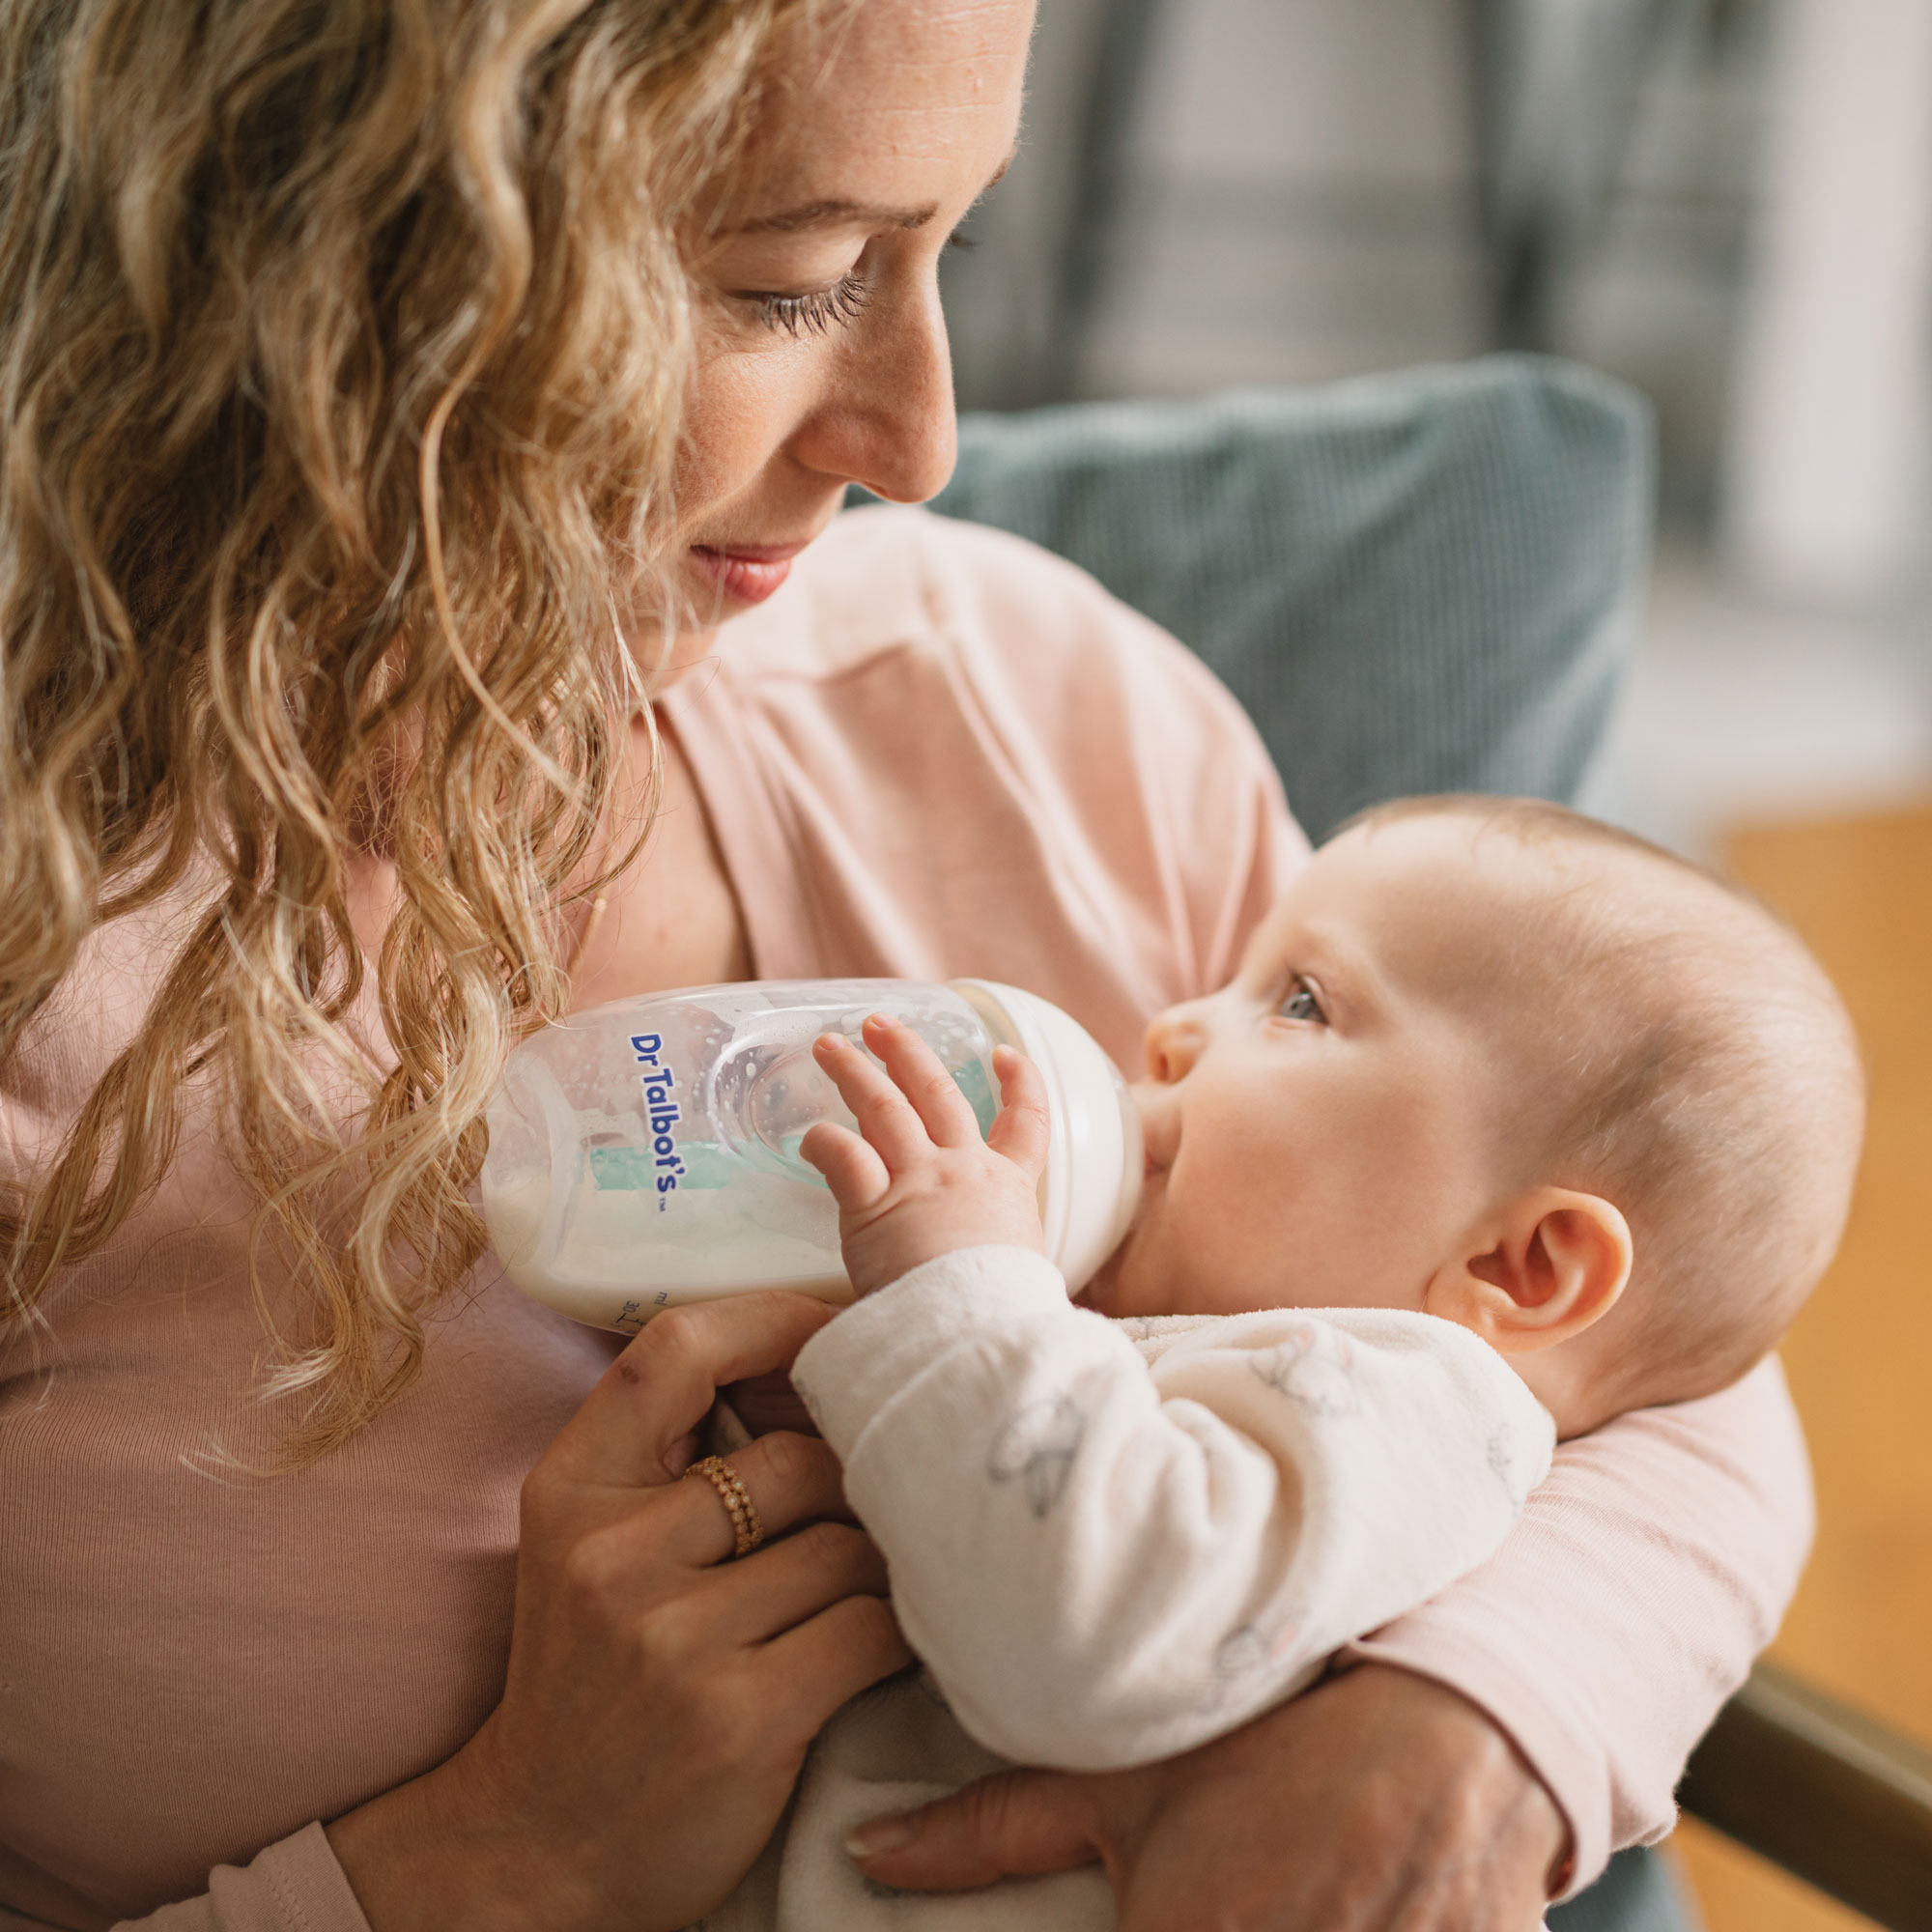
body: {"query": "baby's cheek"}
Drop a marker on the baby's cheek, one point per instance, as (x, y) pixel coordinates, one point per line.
(1139, 1280)
(1212, 1275)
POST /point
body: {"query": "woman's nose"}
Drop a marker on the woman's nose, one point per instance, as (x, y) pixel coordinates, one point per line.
(1173, 1043)
(888, 422)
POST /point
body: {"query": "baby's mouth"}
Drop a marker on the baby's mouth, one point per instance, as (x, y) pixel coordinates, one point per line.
(1159, 1153)
(1160, 1133)
(1159, 1143)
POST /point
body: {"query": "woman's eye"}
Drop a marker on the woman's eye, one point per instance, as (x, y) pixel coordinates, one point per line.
(814, 313)
(1302, 1005)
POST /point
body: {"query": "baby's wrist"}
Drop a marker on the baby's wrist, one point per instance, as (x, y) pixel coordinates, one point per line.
(973, 1260)
(892, 1263)
(888, 1271)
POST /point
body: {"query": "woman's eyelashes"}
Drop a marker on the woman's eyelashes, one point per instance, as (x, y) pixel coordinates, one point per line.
(1302, 1003)
(815, 312)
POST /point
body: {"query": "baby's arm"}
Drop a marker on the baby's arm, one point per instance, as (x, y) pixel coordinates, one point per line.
(1106, 1559)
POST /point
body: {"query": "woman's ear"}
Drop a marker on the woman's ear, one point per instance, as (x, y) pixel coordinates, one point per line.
(1541, 1270)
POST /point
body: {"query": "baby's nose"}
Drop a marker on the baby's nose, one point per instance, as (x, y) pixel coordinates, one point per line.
(1174, 1041)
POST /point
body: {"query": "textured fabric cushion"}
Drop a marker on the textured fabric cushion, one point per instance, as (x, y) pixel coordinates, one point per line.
(1418, 582)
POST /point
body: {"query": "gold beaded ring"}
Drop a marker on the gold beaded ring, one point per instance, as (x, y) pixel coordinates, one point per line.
(737, 1500)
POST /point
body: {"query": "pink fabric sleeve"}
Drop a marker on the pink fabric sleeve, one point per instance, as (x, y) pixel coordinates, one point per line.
(295, 1886)
(1644, 1576)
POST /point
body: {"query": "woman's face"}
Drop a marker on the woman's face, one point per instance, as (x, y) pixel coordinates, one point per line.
(822, 353)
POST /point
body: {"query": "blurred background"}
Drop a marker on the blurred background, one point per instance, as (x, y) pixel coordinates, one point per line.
(1728, 204)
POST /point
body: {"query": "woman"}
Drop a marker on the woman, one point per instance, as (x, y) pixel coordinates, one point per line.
(389, 387)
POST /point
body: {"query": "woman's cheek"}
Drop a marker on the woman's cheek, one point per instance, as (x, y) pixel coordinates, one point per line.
(738, 417)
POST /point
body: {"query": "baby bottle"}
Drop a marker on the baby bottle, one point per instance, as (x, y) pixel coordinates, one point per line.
(645, 1153)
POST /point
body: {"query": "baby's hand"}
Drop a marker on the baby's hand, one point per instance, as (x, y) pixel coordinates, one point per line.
(922, 1182)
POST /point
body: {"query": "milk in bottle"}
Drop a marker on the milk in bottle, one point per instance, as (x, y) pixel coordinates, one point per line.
(645, 1153)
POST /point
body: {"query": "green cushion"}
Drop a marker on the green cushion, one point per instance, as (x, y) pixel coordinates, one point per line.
(1419, 581)
(1637, 1892)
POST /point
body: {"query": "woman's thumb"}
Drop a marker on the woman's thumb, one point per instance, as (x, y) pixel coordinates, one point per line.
(1015, 1824)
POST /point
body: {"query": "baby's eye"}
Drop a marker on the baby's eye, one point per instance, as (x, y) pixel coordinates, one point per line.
(1302, 1005)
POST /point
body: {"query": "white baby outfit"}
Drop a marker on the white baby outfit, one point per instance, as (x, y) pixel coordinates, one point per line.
(1112, 1540)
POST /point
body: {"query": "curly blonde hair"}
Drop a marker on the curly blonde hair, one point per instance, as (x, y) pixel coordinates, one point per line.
(342, 349)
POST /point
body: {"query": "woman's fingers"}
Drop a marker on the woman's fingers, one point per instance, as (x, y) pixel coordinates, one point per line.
(1392, 1804)
(769, 1401)
(834, 1656)
(1015, 1824)
(917, 1072)
(1023, 1130)
(790, 1479)
(852, 1168)
(671, 1543)
(659, 1389)
(789, 1582)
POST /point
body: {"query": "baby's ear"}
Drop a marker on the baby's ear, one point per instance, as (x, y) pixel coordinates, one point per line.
(1540, 1270)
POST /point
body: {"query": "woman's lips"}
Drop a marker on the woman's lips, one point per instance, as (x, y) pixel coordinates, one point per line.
(745, 573)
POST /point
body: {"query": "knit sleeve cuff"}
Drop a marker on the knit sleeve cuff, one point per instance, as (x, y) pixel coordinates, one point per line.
(855, 1364)
(295, 1886)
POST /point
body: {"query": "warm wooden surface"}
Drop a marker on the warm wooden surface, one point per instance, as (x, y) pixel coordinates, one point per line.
(1859, 1359)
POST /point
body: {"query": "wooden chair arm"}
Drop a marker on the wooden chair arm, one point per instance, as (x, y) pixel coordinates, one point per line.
(1824, 1791)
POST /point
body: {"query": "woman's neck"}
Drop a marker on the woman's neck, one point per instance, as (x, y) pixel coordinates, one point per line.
(672, 919)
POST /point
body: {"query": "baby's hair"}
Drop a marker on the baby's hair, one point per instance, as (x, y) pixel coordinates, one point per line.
(1677, 1050)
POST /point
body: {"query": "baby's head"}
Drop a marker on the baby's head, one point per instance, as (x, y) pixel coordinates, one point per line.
(1498, 1062)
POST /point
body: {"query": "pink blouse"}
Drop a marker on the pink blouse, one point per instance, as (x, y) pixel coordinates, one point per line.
(937, 752)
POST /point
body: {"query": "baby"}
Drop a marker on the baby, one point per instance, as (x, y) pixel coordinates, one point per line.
(1546, 1124)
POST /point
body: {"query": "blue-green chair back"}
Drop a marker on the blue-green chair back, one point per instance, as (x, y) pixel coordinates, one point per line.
(1420, 582)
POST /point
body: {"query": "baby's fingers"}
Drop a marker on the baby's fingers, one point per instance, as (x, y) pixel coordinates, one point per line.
(855, 1174)
(882, 1112)
(1022, 1129)
(917, 1074)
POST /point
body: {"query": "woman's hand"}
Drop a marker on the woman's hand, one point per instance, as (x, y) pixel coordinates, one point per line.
(916, 1181)
(659, 1698)
(1380, 1802)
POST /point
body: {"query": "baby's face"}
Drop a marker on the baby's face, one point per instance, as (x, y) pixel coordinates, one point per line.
(1318, 1132)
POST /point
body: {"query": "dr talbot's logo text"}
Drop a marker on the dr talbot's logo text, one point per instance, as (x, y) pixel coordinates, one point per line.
(660, 1085)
